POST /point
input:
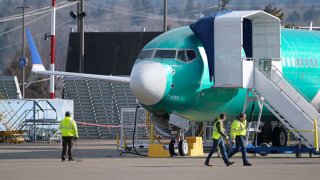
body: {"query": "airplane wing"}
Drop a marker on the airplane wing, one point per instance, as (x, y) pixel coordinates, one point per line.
(38, 68)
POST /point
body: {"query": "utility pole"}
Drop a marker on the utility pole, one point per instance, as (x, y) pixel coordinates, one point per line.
(22, 60)
(165, 13)
(81, 20)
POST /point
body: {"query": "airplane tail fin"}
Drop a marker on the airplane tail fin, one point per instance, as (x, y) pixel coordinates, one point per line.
(37, 64)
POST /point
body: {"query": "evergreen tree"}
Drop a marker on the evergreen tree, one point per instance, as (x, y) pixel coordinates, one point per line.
(274, 11)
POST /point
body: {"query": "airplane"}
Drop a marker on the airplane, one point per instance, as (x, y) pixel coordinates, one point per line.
(172, 77)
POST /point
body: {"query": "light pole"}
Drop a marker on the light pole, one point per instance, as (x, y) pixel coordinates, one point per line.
(81, 64)
(165, 12)
(80, 15)
(22, 60)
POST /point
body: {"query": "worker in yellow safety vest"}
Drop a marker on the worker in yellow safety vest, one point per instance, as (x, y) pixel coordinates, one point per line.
(238, 134)
(69, 132)
(217, 135)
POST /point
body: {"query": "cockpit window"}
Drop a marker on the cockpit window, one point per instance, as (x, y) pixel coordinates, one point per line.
(185, 55)
(165, 54)
(191, 55)
(182, 55)
(146, 54)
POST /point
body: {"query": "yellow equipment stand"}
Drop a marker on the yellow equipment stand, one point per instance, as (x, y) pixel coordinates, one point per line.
(195, 146)
(157, 151)
(194, 143)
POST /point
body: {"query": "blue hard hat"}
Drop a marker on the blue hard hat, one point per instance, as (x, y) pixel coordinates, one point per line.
(67, 113)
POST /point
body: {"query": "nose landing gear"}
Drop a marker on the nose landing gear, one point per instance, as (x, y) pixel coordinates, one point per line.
(178, 145)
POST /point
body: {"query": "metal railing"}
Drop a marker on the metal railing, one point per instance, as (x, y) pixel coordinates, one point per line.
(275, 71)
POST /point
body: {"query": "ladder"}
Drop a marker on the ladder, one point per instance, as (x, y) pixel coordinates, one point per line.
(285, 102)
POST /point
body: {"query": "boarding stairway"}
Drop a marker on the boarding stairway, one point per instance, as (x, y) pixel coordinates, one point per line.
(286, 103)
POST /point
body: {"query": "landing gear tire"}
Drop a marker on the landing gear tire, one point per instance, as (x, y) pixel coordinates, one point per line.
(172, 149)
(264, 145)
(279, 136)
(1, 139)
(183, 147)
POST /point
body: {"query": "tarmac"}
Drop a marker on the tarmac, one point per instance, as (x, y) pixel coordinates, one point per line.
(99, 159)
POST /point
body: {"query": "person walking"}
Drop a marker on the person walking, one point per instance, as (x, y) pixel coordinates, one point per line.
(69, 132)
(238, 134)
(217, 135)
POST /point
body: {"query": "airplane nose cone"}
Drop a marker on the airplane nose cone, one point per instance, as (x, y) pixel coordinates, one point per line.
(148, 82)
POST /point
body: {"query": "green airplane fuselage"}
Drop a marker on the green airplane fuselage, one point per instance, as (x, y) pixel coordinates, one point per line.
(190, 94)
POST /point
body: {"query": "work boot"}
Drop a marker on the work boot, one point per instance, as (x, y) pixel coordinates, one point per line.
(229, 163)
(71, 160)
(63, 160)
(207, 163)
(247, 164)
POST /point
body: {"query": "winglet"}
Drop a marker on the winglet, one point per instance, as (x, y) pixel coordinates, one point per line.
(37, 64)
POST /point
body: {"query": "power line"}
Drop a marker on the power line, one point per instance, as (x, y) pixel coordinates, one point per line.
(48, 12)
(36, 12)
(26, 24)
(35, 36)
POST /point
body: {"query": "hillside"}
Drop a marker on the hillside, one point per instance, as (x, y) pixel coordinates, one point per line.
(124, 15)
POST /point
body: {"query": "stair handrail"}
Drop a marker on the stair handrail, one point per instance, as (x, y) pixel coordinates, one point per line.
(16, 112)
(25, 113)
(53, 108)
(266, 75)
(35, 104)
(9, 114)
(291, 83)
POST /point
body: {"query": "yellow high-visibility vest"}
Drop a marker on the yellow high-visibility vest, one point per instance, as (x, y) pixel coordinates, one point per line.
(238, 128)
(215, 133)
(68, 127)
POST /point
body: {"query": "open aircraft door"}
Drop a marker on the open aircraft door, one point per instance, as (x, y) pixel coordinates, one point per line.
(243, 38)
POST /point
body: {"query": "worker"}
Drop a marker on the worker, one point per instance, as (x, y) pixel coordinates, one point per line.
(69, 132)
(238, 133)
(217, 135)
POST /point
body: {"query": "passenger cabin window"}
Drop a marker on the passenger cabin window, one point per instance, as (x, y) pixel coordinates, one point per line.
(145, 54)
(311, 63)
(165, 54)
(191, 55)
(301, 60)
(297, 62)
(316, 62)
(307, 64)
